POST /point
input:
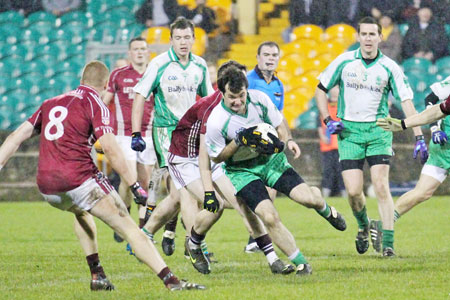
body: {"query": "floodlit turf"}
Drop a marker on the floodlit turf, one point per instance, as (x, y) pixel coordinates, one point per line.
(40, 258)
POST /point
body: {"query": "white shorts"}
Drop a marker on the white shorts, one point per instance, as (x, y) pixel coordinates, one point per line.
(83, 197)
(437, 173)
(146, 157)
(184, 170)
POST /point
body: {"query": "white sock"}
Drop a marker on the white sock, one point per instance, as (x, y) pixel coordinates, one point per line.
(271, 257)
(294, 255)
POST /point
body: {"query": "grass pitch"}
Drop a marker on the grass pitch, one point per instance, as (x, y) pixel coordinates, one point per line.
(40, 258)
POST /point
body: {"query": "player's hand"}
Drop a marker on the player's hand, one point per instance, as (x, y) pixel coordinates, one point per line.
(210, 203)
(439, 137)
(268, 148)
(421, 147)
(140, 195)
(333, 126)
(295, 149)
(390, 124)
(137, 142)
(248, 137)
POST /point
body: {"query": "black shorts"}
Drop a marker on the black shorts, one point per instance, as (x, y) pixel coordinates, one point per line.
(349, 164)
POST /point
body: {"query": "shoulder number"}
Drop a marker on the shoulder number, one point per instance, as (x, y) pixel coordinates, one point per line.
(55, 121)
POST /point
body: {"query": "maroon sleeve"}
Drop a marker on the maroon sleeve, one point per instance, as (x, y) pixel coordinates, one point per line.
(445, 106)
(102, 119)
(36, 120)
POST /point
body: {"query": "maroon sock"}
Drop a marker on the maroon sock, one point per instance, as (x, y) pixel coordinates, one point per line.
(167, 277)
(94, 265)
(265, 244)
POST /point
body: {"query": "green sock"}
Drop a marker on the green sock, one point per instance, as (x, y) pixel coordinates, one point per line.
(361, 218)
(388, 238)
(396, 215)
(204, 247)
(299, 259)
(325, 212)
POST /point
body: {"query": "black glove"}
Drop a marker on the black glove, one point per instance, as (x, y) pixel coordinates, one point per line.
(140, 195)
(137, 142)
(248, 137)
(210, 203)
(268, 148)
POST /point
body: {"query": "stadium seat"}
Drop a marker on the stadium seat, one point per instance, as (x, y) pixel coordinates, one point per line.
(284, 76)
(308, 120)
(403, 28)
(419, 82)
(222, 3)
(334, 47)
(11, 68)
(201, 41)
(20, 51)
(416, 65)
(73, 34)
(443, 65)
(39, 18)
(53, 50)
(189, 3)
(303, 47)
(307, 31)
(157, 35)
(76, 18)
(69, 67)
(10, 34)
(97, 7)
(341, 32)
(354, 46)
(6, 84)
(5, 123)
(12, 18)
(38, 35)
(67, 83)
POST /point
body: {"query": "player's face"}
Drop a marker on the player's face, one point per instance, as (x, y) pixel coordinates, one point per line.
(235, 101)
(138, 52)
(182, 41)
(369, 38)
(268, 58)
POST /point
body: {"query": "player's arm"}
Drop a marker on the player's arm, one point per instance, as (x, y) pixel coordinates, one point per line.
(107, 98)
(322, 102)
(410, 110)
(205, 165)
(226, 153)
(14, 140)
(430, 115)
(137, 112)
(285, 135)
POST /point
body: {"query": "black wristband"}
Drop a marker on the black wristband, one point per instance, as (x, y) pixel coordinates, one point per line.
(419, 137)
(326, 120)
(403, 124)
(136, 134)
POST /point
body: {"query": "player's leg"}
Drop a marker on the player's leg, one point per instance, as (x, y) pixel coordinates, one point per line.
(354, 182)
(430, 179)
(327, 174)
(165, 211)
(256, 197)
(144, 172)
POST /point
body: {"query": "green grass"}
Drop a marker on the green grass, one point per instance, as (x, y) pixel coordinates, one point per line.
(40, 258)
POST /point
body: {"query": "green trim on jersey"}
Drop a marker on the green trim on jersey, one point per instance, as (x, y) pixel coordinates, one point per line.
(202, 89)
(264, 109)
(359, 55)
(337, 74)
(235, 113)
(174, 57)
(392, 83)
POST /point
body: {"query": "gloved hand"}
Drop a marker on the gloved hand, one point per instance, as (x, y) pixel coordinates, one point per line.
(439, 137)
(421, 147)
(248, 137)
(137, 142)
(265, 147)
(391, 124)
(140, 195)
(333, 126)
(210, 203)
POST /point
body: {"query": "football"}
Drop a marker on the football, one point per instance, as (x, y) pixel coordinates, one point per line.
(246, 153)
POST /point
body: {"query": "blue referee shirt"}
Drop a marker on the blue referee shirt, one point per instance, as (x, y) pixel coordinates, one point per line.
(274, 89)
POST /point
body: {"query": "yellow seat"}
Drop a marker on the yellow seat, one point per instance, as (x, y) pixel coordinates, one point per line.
(221, 3)
(157, 35)
(284, 76)
(307, 31)
(291, 63)
(307, 83)
(333, 47)
(304, 47)
(342, 32)
(201, 41)
(296, 102)
(189, 3)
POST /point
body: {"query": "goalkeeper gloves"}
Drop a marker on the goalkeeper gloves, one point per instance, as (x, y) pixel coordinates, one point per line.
(268, 148)
(210, 202)
(140, 195)
(421, 147)
(438, 136)
(248, 137)
(137, 142)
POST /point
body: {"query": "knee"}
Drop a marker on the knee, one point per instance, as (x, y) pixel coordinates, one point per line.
(271, 218)
(354, 192)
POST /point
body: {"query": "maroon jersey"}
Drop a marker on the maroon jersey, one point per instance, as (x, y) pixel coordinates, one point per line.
(121, 83)
(69, 125)
(186, 136)
(445, 106)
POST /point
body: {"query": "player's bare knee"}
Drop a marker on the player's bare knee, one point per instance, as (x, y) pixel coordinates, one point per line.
(270, 218)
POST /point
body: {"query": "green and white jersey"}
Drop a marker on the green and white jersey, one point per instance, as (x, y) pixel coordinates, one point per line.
(364, 89)
(174, 86)
(223, 123)
(442, 91)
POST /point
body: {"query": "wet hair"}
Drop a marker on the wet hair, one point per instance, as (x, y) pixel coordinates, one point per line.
(369, 20)
(235, 79)
(231, 63)
(95, 74)
(182, 23)
(138, 38)
(269, 44)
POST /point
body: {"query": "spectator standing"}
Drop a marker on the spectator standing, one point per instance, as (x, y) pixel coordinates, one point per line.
(60, 7)
(391, 43)
(202, 16)
(158, 12)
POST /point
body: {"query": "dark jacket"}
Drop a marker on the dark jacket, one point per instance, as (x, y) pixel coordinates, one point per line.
(145, 12)
(317, 13)
(208, 17)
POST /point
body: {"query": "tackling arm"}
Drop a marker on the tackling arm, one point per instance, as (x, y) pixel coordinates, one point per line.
(322, 103)
(13, 141)
(137, 112)
(205, 165)
(284, 134)
(226, 153)
(430, 115)
(410, 110)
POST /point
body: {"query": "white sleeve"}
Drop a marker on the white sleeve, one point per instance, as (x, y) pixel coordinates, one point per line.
(332, 74)
(271, 114)
(148, 82)
(401, 90)
(441, 89)
(215, 142)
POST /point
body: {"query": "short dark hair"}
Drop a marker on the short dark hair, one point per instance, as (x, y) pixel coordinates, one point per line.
(229, 64)
(182, 23)
(269, 44)
(235, 79)
(137, 38)
(369, 20)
